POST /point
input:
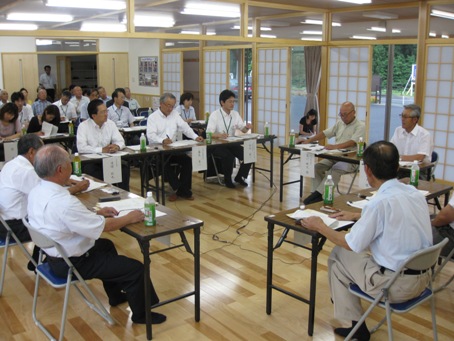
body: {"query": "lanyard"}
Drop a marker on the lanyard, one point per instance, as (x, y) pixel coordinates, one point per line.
(225, 124)
(119, 114)
(186, 116)
(64, 111)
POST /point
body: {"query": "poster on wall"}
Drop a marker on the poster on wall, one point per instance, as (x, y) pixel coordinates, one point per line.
(148, 71)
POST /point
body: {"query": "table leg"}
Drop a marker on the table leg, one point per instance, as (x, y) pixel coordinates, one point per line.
(281, 176)
(197, 273)
(163, 191)
(269, 268)
(271, 161)
(145, 248)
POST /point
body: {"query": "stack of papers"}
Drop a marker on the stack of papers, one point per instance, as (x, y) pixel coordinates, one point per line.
(127, 205)
(93, 184)
(406, 163)
(315, 148)
(136, 128)
(183, 143)
(358, 204)
(333, 223)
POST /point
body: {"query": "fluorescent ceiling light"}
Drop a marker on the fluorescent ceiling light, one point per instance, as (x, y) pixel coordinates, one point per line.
(319, 33)
(442, 14)
(211, 10)
(170, 44)
(377, 29)
(444, 36)
(189, 32)
(102, 27)
(19, 27)
(263, 36)
(39, 17)
(396, 30)
(312, 38)
(358, 2)
(380, 15)
(211, 33)
(151, 21)
(237, 27)
(319, 22)
(98, 4)
(363, 37)
(43, 42)
(432, 34)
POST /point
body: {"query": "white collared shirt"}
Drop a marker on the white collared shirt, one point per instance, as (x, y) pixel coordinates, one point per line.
(26, 114)
(63, 218)
(160, 127)
(92, 139)
(68, 111)
(121, 116)
(78, 103)
(418, 141)
(17, 179)
(221, 122)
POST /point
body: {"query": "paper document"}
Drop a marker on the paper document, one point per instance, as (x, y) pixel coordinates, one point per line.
(119, 153)
(407, 163)
(183, 143)
(315, 148)
(95, 155)
(333, 223)
(249, 136)
(136, 128)
(127, 205)
(93, 184)
(358, 204)
(49, 129)
(232, 138)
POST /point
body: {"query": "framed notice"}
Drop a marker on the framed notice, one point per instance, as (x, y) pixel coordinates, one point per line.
(148, 71)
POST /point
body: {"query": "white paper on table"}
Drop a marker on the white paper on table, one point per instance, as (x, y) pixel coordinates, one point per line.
(49, 129)
(183, 143)
(307, 164)
(313, 148)
(95, 156)
(250, 151)
(362, 182)
(232, 138)
(127, 205)
(358, 204)
(10, 149)
(199, 158)
(198, 121)
(118, 153)
(93, 184)
(423, 192)
(111, 168)
(407, 164)
(333, 223)
(249, 136)
(136, 128)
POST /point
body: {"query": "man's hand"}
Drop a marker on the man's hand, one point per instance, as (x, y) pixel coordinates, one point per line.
(330, 147)
(199, 139)
(135, 216)
(167, 141)
(107, 212)
(79, 186)
(111, 148)
(312, 223)
(248, 126)
(220, 136)
(346, 215)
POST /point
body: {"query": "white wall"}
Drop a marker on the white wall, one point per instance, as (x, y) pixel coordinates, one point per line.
(17, 45)
(142, 48)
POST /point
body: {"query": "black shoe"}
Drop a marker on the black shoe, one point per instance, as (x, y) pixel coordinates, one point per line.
(229, 184)
(240, 180)
(313, 198)
(122, 298)
(362, 334)
(156, 318)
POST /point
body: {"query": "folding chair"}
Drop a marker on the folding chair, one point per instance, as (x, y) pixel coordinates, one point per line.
(73, 278)
(443, 263)
(214, 162)
(422, 260)
(143, 111)
(5, 244)
(354, 173)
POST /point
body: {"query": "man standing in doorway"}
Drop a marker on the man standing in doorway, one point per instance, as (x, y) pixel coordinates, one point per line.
(48, 81)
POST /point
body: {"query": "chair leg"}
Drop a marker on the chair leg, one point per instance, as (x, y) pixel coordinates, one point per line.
(388, 321)
(363, 318)
(434, 319)
(5, 258)
(65, 306)
(35, 303)
(440, 267)
(96, 305)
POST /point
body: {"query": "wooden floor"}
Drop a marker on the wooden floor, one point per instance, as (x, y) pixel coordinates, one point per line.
(233, 277)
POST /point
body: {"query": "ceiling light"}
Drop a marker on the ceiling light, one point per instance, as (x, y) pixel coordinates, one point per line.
(377, 29)
(312, 38)
(43, 42)
(151, 21)
(237, 27)
(189, 32)
(170, 44)
(212, 10)
(358, 2)
(396, 30)
(319, 33)
(263, 36)
(19, 27)
(211, 33)
(319, 22)
(363, 37)
(444, 36)
(380, 15)
(102, 27)
(432, 34)
(39, 17)
(98, 4)
(442, 14)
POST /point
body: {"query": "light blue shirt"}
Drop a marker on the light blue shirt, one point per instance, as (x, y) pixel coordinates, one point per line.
(186, 114)
(393, 225)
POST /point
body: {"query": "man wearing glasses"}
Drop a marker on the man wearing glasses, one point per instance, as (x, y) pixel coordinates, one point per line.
(412, 141)
(347, 132)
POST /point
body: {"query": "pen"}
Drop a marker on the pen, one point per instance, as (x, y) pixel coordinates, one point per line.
(168, 136)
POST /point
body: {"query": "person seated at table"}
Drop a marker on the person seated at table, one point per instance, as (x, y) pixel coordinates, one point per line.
(222, 124)
(110, 102)
(83, 108)
(412, 141)
(10, 127)
(41, 102)
(51, 114)
(98, 134)
(119, 113)
(162, 127)
(347, 132)
(392, 226)
(25, 111)
(17, 179)
(133, 104)
(308, 123)
(443, 227)
(94, 257)
(67, 109)
(185, 109)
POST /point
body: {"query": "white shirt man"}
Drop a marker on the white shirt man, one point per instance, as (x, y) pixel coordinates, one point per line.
(132, 102)
(78, 100)
(412, 141)
(67, 109)
(118, 113)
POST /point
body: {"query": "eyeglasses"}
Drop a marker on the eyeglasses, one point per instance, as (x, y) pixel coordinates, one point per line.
(405, 116)
(169, 105)
(343, 114)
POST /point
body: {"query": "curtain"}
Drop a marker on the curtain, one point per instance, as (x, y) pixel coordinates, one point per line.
(313, 60)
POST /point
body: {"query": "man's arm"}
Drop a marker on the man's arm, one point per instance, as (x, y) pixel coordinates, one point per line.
(344, 145)
(317, 137)
(83, 144)
(444, 217)
(113, 224)
(317, 224)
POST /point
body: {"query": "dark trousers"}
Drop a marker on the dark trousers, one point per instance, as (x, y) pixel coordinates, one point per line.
(228, 155)
(95, 170)
(180, 178)
(117, 273)
(442, 232)
(51, 94)
(21, 232)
